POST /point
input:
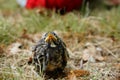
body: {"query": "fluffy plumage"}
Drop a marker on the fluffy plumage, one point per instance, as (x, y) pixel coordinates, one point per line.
(50, 53)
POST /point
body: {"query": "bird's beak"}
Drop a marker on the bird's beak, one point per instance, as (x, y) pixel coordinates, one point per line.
(50, 38)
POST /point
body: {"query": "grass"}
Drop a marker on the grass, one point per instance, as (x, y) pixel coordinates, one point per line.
(14, 19)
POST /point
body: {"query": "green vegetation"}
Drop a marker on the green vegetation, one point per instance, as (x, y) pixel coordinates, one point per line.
(14, 19)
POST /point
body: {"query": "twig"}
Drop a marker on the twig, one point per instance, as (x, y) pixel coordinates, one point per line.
(118, 46)
(109, 51)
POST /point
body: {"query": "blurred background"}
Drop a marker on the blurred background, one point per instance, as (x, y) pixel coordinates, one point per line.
(14, 17)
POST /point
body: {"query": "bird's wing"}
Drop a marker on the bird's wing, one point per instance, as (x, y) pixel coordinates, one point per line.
(65, 49)
(40, 56)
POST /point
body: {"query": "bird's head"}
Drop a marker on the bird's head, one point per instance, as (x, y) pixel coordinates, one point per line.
(51, 38)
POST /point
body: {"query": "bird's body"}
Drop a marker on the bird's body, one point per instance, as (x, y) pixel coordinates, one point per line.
(50, 53)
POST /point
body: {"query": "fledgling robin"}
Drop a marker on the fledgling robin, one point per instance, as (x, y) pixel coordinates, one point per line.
(50, 53)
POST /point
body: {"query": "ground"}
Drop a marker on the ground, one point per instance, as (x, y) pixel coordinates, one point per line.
(92, 40)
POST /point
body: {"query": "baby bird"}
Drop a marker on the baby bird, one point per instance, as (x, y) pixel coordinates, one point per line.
(50, 53)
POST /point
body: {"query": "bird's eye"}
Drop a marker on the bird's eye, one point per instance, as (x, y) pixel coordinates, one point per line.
(53, 33)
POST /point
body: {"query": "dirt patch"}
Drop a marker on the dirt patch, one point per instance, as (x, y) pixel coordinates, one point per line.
(101, 60)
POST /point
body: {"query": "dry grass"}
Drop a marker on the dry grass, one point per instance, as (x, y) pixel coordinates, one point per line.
(15, 64)
(100, 28)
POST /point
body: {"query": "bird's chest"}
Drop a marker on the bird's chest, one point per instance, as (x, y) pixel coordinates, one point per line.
(54, 54)
(54, 58)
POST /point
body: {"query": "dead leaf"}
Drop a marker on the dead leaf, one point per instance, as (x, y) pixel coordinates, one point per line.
(117, 66)
(1, 50)
(92, 53)
(79, 73)
(71, 76)
(87, 56)
(14, 48)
